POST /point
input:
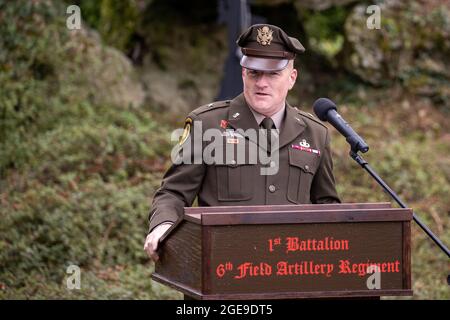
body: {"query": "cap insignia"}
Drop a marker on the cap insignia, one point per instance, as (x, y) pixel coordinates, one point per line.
(264, 36)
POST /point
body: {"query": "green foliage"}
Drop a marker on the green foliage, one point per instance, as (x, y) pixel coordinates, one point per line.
(116, 21)
(94, 224)
(119, 282)
(51, 78)
(76, 172)
(325, 29)
(30, 52)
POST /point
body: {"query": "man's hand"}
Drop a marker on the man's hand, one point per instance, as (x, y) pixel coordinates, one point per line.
(151, 242)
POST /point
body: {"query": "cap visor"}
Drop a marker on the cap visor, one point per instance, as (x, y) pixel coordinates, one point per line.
(263, 64)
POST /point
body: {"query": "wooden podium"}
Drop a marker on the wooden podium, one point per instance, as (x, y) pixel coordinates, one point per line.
(289, 252)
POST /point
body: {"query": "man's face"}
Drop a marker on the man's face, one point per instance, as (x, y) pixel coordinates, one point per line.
(266, 92)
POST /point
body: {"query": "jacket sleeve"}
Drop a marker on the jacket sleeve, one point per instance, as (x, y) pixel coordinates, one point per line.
(180, 185)
(323, 188)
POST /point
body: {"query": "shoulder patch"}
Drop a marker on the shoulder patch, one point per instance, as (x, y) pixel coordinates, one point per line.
(188, 121)
(186, 131)
(311, 117)
(211, 106)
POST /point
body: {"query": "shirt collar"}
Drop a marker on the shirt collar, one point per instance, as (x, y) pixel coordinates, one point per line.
(277, 117)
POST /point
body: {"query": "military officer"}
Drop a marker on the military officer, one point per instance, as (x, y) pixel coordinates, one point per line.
(304, 168)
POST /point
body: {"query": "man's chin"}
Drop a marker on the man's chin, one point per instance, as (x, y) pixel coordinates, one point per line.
(262, 109)
(262, 97)
(261, 104)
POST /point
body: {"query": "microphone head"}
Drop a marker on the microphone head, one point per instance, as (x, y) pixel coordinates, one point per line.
(322, 106)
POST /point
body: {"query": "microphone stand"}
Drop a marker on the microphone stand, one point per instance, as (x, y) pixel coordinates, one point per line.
(364, 164)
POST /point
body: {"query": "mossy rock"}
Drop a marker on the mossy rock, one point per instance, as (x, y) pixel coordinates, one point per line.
(411, 47)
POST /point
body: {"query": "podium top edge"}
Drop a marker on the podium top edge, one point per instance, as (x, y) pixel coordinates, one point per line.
(290, 207)
(341, 215)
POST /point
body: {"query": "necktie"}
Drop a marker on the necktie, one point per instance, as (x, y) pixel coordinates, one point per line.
(268, 125)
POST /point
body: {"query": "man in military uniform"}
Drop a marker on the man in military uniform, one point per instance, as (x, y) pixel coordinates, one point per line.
(297, 144)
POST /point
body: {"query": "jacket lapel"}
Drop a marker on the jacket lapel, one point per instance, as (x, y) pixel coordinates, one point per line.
(241, 117)
(293, 126)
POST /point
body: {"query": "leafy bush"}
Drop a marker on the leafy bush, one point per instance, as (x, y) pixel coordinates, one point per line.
(77, 172)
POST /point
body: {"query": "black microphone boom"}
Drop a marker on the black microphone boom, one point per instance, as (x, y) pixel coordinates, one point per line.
(325, 109)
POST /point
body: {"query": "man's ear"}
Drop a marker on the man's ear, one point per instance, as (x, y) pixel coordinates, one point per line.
(293, 78)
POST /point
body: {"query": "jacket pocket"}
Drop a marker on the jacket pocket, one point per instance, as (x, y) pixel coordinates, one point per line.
(234, 182)
(302, 167)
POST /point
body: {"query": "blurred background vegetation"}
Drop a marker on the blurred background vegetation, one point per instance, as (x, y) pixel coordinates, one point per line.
(86, 117)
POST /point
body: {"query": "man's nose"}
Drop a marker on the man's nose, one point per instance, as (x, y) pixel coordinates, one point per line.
(261, 80)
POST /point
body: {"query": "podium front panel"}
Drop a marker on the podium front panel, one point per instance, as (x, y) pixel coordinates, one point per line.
(304, 257)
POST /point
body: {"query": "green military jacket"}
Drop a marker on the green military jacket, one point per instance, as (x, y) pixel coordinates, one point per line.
(305, 167)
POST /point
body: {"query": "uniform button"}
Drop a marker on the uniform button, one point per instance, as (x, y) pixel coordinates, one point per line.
(272, 188)
(233, 161)
(306, 167)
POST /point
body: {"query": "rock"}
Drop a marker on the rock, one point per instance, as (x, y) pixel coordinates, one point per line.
(187, 71)
(320, 5)
(106, 75)
(412, 47)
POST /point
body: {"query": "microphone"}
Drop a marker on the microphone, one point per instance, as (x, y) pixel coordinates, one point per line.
(325, 109)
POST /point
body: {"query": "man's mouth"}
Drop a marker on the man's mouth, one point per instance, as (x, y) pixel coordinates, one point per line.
(262, 94)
